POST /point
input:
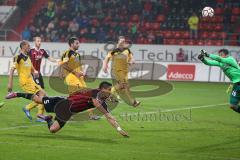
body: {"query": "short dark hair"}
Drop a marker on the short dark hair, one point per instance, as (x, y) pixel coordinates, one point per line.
(71, 40)
(23, 43)
(225, 51)
(121, 37)
(104, 85)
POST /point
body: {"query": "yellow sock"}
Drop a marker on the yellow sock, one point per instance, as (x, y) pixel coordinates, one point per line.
(31, 105)
(114, 92)
(90, 112)
(40, 109)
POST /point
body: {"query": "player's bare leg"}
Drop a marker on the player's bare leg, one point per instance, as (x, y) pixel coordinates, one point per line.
(124, 92)
(55, 127)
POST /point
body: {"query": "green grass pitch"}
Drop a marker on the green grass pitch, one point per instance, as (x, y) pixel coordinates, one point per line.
(210, 130)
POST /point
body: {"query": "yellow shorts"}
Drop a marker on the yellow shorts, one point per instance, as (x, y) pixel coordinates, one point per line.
(30, 87)
(120, 76)
(75, 84)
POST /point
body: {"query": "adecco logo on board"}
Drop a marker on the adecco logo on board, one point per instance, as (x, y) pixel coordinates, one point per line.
(181, 72)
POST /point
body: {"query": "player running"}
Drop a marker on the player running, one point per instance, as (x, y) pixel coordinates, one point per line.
(121, 59)
(72, 68)
(36, 55)
(25, 71)
(230, 68)
(80, 101)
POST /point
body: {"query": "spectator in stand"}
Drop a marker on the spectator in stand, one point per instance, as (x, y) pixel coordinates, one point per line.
(92, 34)
(134, 32)
(227, 18)
(151, 37)
(159, 39)
(101, 35)
(26, 34)
(147, 8)
(180, 56)
(73, 26)
(193, 25)
(84, 21)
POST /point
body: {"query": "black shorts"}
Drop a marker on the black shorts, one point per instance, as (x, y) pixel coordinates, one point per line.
(60, 106)
(50, 103)
(39, 80)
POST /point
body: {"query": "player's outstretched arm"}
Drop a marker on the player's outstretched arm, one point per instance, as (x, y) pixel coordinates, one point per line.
(105, 64)
(203, 57)
(110, 118)
(64, 65)
(52, 60)
(228, 60)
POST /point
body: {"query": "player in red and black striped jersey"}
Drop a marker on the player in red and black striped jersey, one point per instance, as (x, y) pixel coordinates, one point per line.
(80, 101)
(36, 55)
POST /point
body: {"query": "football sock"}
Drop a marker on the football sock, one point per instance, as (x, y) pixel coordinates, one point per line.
(31, 106)
(25, 95)
(40, 109)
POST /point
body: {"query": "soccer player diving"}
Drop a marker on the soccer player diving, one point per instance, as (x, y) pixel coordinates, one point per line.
(65, 108)
(230, 68)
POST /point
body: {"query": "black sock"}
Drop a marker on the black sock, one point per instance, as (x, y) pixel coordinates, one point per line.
(25, 95)
(49, 123)
(236, 109)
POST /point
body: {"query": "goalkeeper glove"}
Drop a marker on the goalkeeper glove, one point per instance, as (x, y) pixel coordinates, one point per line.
(201, 57)
(204, 53)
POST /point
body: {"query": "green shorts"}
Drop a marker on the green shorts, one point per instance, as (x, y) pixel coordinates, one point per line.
(235, 94)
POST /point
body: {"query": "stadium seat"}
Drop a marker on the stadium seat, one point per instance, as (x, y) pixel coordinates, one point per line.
(236, 11)
(160, 18)
(218, 11)
(200, 42)
(155, 26)
(213, 35)
(135, 18)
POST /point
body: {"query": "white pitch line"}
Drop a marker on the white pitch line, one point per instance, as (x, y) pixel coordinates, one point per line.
(182, 109)
(17, 127)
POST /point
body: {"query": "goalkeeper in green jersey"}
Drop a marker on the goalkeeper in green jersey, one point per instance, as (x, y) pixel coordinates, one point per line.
(230, 68)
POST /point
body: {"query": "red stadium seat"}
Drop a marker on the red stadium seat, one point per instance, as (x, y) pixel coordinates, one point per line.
(218, 27)
(217, 42)
(209, 42)
(204, 35)
(191, 42)
(200, 42)
(234, 19)
(218, 11)
(222, 35)
(160, 18)
(135, 18)
(167, 34)
(218, 19)
(213, 35)
(155, 26)
(177, 34)
(147, 26)
(186, 34)
(236, 11)
(220, 1)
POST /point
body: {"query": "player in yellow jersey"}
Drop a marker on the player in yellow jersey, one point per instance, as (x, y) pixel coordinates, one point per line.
(25, 70)
(121, 58)
(72, 68)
